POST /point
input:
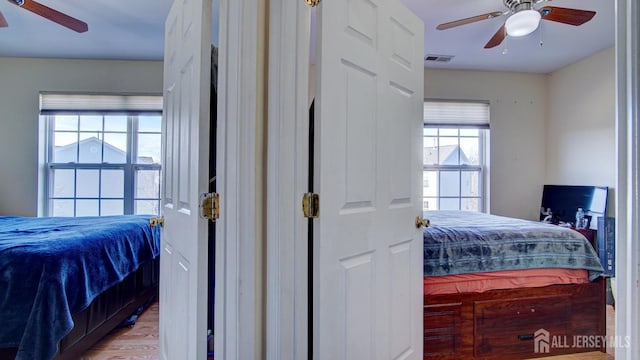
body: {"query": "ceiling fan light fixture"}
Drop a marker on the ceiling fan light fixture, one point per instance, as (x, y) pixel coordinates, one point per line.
(523, 23)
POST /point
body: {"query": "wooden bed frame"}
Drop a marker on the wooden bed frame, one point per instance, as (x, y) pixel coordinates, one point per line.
(105, 312)
(500, 324)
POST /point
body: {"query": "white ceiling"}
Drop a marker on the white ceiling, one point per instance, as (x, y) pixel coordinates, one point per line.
(118, 29)
(133, 30)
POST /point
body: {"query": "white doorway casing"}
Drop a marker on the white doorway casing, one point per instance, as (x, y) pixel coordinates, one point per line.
(287, 174)
(627, 319)
(237, 329)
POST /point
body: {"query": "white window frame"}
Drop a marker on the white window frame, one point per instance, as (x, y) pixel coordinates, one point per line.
(129, 167)
(462, 114)
(481, 168)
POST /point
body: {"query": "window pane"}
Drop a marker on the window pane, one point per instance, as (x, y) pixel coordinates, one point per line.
(65, 147)
(449, 151)
(112, 184)
(85, 135)
(87, 208)
(111, 207)
(470, 154)
(430, 183)
(469, 132)
(448, 140)
(61, 207)
(116, 123)
(115, 148)
(87, 183)
(430, 131)
(147, 207)
(90, 148)
(470, 183)
(448, 132)
(148, 123)
(449, 204)
(63, 182)
(91, 123)
(147, 184)
(149, 148)
(430, 151)
(429, 203)
(470, 204)
(65, 122)
(64, 138)
(449, 183)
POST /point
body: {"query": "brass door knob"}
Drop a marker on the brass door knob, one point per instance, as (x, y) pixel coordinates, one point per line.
(420, 222)
(155, 221)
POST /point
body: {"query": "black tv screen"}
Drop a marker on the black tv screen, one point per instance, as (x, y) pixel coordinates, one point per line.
(564, 201)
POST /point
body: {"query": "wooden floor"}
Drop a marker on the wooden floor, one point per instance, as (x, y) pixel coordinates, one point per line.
(141, 341)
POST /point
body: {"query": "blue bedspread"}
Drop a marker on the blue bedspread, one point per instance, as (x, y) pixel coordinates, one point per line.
(51, 268)
(459, 242)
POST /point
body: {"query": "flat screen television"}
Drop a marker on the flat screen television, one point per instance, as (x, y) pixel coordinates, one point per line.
(564, 201)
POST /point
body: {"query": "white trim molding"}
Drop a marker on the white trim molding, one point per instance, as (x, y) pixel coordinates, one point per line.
(287, 175)
(237, 326)
(628, 193)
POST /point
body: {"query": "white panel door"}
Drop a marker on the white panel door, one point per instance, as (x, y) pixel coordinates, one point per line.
(183, 260)
(368, 252)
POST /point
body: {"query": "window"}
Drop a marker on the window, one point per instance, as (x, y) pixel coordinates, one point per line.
(454, 156)
(102, 162)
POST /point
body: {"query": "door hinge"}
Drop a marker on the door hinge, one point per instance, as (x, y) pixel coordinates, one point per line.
(311, 205)
(210, 206)
(312, 3)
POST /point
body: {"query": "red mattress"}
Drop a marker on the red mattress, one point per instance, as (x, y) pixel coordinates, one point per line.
(508, 279)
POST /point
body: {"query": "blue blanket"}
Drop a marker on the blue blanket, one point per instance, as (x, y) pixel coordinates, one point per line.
(459, 242)
(51, 268)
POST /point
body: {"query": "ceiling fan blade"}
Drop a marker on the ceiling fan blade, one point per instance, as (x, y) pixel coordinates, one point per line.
(566, 16)
(469, 20)
(55, 16)
(497, 38)
(3, 21)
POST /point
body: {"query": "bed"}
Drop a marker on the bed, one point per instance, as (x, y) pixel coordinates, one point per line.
(66, 282)
(503, 288)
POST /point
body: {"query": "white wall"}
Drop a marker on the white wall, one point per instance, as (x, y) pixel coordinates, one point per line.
(580, 130)
(545, 129)
(21, 80)
(518, 110)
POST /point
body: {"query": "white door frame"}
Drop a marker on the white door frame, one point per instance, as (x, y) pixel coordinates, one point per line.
(237, 333)
(287, 174)
(627, 202)
(286, 237)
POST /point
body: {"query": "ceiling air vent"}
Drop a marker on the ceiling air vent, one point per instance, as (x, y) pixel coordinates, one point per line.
(438, 58)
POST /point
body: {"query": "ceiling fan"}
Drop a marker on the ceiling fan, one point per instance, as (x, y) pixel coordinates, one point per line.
(47, 13)
(524, 19)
